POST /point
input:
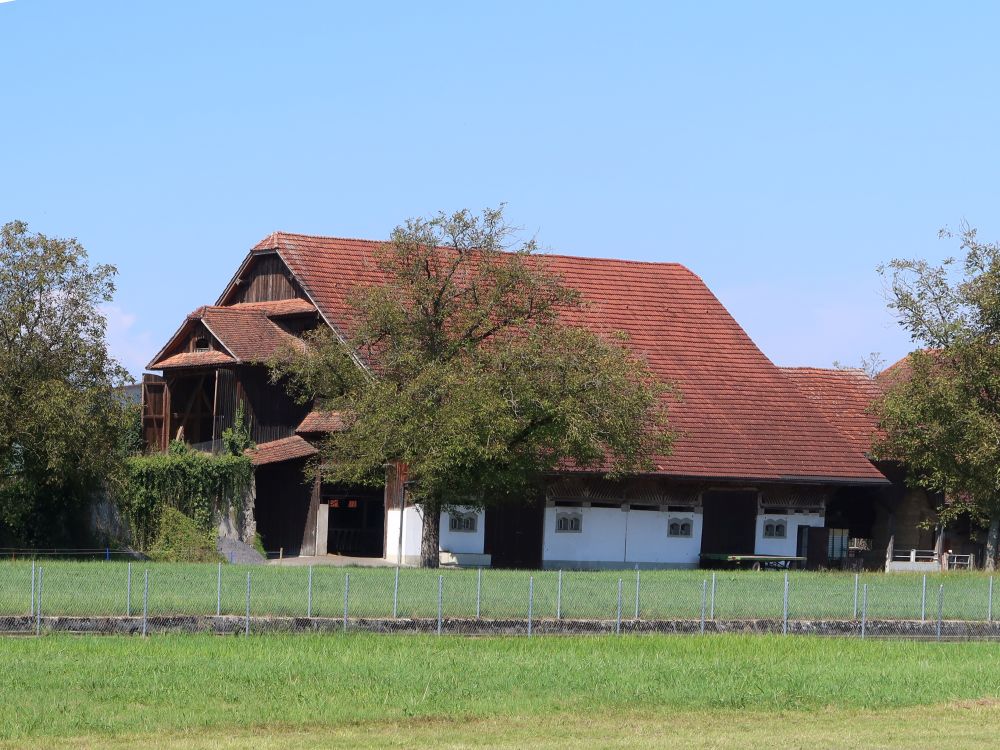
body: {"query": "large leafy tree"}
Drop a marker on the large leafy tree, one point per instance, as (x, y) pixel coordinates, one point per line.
(941, 409)
(62, 419)
(465, 366)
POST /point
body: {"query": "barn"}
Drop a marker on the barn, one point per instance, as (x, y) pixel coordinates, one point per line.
(762, 466)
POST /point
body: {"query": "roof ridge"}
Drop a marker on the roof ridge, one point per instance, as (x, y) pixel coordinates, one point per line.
(832, 370)
(274, 236)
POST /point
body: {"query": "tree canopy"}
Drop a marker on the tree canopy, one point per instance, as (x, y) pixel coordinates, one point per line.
(62, 417)
(941, 409)
(462, 366)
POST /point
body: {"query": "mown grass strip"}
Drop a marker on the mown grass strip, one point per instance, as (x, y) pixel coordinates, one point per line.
(64, 687)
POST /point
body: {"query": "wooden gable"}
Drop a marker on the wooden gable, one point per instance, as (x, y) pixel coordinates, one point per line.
(264, 277)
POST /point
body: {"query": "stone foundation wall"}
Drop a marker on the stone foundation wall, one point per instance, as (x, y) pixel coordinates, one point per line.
(236, 624)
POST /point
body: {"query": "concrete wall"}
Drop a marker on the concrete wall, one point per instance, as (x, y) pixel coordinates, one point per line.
(788, 545)
(616, 538)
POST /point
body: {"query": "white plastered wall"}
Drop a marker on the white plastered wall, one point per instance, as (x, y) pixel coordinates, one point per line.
(616, 538)
(463, 541)
(413, 523)
(457, 542)
(788, 545)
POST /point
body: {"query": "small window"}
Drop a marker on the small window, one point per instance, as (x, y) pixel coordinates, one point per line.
(462, 522)
(201, 344)
(568, 522)
(680, 527)
(774, 530)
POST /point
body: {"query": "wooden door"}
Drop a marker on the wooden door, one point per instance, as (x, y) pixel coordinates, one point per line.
(729, 522)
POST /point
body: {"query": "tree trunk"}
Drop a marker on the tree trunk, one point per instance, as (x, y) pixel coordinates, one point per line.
(992, 537)
(430, 538)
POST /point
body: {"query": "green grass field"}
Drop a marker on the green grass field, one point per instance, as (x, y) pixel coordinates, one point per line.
(308, 691)
(85, 588)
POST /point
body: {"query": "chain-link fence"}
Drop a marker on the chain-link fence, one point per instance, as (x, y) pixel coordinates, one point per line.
(38, 596)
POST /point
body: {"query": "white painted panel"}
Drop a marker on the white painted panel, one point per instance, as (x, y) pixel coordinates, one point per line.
(412, 531)
(788, 545)
(601, 538)
(463, 541)
(648, 541)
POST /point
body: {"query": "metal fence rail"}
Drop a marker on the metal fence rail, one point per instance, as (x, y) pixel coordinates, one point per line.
(140, 597)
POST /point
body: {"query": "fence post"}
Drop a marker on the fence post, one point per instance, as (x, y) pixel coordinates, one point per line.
(32, 588)
(440, 601)
(711, 611)
(395, 595)
(704, 594)
(246, 628)
(636, 592)
(618, 621)
(559, 596)
(923, 600)
(128, 592)
(309, 594)
(940, 610)
(784, 608)
(479, 591)
(864, 613)
(145, 603)
(38, 602)
(989, 603)
(531, 601)
(347, 597)
(855, 597)
(218, 592)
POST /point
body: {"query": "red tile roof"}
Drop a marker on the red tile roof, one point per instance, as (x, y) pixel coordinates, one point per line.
(279, 308)
(740, 416)
(843, 397)
(284, 449)
(247, 332)
(321, 421)
(192, 359)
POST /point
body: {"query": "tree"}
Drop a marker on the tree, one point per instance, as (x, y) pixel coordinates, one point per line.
(472, 376)
(63, 421)
(941, 411)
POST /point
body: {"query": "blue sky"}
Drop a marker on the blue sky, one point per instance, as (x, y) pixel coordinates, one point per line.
(780, 150)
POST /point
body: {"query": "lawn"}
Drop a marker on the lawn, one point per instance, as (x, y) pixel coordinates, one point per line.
(100, 588)
(416, 691)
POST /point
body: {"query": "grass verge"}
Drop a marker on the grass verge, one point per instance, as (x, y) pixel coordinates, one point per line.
(366, 690)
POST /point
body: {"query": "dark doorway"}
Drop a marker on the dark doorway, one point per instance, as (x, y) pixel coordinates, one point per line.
(513, 535)
(813, 544)
(282, 506)
(729, 523)
(356, 521)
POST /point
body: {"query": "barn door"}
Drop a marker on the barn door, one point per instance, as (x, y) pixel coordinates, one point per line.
(729, 523)
(155, 408)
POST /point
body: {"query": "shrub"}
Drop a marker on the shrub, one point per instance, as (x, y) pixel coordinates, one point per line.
(180, 539)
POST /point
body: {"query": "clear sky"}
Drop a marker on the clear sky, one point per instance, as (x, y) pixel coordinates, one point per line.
(780, 150)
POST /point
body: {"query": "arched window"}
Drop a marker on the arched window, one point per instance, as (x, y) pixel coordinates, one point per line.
(680, 527)
(462, 522)
(774, 530)
(569, 522)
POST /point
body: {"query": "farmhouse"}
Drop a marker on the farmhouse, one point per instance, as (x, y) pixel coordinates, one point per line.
(765, 464)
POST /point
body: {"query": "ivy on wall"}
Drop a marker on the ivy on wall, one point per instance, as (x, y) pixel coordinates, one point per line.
(202, 486)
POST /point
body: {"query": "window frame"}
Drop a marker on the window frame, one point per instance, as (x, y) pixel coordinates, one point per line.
(463, 522)
(567, 520)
